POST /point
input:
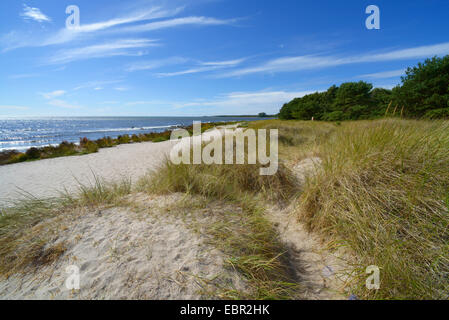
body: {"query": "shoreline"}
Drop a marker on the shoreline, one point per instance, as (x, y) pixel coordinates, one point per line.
(87, 146)
(47, 178)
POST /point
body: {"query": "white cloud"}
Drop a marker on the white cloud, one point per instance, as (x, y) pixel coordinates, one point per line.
(117, 48)
(96, 84)
(171, 23)
(384, 74)
(204, 67)
(121, 89)
(66, 35)
(227, 63)
(34, 14)
(53, 94)
(63, 104)
(155, 64)
(288, 64)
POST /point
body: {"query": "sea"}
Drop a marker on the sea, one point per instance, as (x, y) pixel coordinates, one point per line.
(21, 134)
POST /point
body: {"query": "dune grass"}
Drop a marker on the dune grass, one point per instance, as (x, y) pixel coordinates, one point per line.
(245, 235)
(29, 227)
(384, 194)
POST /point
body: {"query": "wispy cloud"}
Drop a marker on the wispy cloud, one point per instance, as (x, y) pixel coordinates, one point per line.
(53, 94)
(155, 64)
(63, 104)
(96, 84)
(384, 74)
(204, 67)
(66, 35)
(121, 88)
(35, 14)
(23, 75)
(171, 23)
(288, 64)
(116, 48)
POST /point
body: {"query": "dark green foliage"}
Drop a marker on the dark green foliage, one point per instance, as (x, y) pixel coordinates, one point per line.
(425, 89)
(424, 93)
(33, 153)
(352, 100)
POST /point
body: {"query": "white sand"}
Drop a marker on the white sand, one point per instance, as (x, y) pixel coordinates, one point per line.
(124, 253)
(46, 178)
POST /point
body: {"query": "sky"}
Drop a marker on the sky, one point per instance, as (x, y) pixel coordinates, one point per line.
(203, 57)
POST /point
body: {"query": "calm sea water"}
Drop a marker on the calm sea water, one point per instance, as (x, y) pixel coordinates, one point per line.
(21, 134)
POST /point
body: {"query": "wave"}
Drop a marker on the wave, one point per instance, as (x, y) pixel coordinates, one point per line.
(129, 129)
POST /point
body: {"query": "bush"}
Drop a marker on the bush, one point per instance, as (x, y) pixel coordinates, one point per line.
(135, 138)
(425, 87)
(334, 116)
(33, 153)
(91, 147)
(21, 157)
(437, 114)
(123, 139)
(106, 142)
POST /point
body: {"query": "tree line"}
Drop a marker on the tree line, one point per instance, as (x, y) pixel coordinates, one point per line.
(423, 93)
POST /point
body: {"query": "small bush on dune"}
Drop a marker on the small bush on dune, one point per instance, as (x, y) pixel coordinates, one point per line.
(33, 153)
(20, 157)
(123, 139)
(106, 142)
(135, 138)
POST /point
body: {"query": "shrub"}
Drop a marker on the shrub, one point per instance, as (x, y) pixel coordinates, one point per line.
(123, 139)
(91, 147)
(33, 153)
(135, 138)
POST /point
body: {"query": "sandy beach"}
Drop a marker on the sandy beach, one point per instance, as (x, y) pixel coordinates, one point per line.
(49, 177)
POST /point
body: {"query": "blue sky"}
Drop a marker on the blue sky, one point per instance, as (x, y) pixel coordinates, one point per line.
(205, 57)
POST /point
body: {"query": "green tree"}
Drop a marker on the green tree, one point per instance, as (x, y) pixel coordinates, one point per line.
(425, 89)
